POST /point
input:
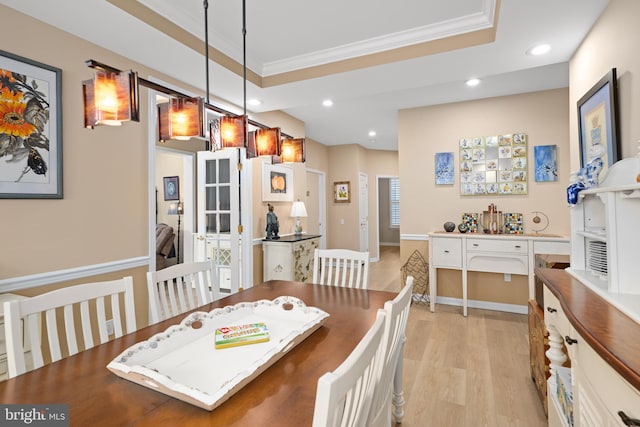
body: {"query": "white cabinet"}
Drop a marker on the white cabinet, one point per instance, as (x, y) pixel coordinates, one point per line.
(510, 254)
(289, 258)
(605, 236)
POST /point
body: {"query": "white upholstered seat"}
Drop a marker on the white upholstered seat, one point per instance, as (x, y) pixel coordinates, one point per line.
(397, 313)
(341, 267)
(343, 397)
(87, 299)
(180, 288)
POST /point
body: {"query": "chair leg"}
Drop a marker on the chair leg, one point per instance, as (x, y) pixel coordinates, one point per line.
(398, 390)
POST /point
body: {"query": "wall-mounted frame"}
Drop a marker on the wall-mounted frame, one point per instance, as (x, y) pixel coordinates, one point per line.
(277, 183)
(546, 164)
(171, 188)
(444, 168)
(30, 129)
(598, 123)
(342, 192)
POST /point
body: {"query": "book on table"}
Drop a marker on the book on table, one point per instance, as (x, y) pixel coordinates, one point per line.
(233, 336)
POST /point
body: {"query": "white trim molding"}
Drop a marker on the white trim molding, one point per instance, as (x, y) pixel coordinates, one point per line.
(49, 278)
(424, 237)
(486, 305)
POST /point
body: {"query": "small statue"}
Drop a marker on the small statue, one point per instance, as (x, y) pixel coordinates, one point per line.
(273, 226)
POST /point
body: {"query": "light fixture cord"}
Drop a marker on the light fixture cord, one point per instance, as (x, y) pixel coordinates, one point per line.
(206, 59)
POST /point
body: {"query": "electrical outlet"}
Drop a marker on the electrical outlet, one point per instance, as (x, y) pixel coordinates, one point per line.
(507, 277)
(110, 327)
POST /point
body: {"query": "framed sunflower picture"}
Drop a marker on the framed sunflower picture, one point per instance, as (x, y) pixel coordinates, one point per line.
(30, 129)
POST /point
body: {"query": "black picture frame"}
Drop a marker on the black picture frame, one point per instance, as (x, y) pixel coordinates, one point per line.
(31, 98)
(171, 188)
(598, 122)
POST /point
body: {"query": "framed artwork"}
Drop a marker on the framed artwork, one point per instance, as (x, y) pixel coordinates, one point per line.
(546, 164)
(342, 192)
(598, 123)
(493, 165)
(171, 188)
(277, 183)
(30, 129)
(444, 168)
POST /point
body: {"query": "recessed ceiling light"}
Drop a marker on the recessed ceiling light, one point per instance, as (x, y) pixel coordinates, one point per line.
(541, 49)
(254, 101)
(473, 82)
(372, 133)
(327, 103)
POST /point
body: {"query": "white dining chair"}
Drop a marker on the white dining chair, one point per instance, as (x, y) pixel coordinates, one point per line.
(180, 288)
(88, 299)
(343, 397)
(389, 386)
(341, 267)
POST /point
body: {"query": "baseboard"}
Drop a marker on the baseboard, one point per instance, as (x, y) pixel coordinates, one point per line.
(486, 305)
(51, 277)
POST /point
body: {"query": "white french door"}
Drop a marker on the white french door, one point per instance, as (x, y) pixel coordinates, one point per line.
(219, 235)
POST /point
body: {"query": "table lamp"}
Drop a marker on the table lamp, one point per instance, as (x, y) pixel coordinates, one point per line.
(298, 211)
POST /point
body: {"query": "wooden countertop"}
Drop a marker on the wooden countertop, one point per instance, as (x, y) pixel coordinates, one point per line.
(610, 332)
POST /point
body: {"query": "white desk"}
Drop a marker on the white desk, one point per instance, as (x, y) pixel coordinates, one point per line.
(492, 253)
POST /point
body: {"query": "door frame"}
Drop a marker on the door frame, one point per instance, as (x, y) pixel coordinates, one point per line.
(322, 204)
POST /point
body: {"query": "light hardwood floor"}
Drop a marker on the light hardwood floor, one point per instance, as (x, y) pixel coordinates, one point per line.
(459, 371)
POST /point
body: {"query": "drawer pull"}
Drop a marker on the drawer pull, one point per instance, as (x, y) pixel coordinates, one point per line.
(446, 252)
(628, 421)
(551, 310)
(475, 245)
(518, 246)
(569, 340)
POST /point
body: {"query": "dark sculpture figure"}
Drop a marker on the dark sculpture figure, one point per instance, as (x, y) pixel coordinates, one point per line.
(273, 226)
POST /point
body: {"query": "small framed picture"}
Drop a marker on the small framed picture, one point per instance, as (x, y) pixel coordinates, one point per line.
(171, 188)
(341, 192)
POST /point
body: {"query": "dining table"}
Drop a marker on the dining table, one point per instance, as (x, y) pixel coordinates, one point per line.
(283, 395)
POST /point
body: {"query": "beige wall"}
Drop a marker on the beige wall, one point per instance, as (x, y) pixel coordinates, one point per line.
(612, 43)
(425, 207)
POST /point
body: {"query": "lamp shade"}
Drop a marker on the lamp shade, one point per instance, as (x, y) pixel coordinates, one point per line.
(110, 99)
(232, 131)
(267, 141)
(175, 209)
(181, 118)
(292, 150)
(298, 210)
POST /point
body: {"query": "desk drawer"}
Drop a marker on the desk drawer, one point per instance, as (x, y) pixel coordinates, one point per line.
(513, 246)
(446, 253)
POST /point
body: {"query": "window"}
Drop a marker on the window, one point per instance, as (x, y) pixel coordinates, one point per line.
(394, 202)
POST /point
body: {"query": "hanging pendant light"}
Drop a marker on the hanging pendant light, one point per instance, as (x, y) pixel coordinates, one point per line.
(292, 150)
(110, 98)
(267, 141)
(181, 118)
(232, 131)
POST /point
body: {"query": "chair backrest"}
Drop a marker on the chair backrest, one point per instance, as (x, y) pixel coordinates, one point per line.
(180, 288)
(341, 267)
(23, 318)
(343, 397)
(397, 314)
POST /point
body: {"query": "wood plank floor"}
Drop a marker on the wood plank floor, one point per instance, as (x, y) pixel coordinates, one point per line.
(459, 371)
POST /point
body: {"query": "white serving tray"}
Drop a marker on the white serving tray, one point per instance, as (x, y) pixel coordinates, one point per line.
(183, 362)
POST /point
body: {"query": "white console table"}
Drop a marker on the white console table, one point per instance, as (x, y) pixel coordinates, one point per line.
(289, 257)
(492, 253)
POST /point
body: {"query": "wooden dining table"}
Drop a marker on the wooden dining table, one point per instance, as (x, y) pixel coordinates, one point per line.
(283, 395)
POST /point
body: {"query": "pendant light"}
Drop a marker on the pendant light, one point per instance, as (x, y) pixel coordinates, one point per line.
(110, 98)
(180, 118)
(291, 150)
(267, 141)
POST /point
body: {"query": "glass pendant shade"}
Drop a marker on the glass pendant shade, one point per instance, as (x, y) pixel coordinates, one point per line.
(232, 131)
(181, 118)
(292, 150)
(110, 99)
(251, 145)
(267, 141)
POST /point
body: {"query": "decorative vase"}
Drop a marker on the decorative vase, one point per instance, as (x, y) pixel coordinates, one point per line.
(462, 227)
(449, 226)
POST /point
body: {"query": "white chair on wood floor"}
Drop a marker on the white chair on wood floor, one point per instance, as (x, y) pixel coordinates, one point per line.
(29, 312)
(341, 267)
(390, 382)
(343, 397)
(180, 288)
